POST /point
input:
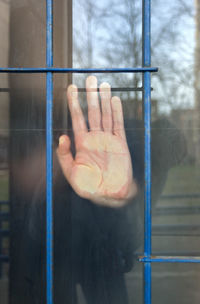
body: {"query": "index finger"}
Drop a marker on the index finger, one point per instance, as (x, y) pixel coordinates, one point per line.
(78, 121)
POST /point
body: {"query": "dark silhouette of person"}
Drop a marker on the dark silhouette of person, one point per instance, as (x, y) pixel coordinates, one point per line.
(98, 202)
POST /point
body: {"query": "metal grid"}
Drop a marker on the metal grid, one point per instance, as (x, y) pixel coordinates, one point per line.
(147, 258)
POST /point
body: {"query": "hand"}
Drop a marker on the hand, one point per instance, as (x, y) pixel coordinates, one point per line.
(101, 170)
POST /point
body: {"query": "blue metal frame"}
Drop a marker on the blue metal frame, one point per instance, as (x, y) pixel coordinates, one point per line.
(147, 147)
(49, 153)
(78, 71)
(169, 259)
(147, 259)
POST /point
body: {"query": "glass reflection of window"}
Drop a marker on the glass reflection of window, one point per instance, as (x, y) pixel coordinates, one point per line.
(186, 119)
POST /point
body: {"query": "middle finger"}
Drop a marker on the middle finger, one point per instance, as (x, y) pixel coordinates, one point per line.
(105, 92)
(94, 113)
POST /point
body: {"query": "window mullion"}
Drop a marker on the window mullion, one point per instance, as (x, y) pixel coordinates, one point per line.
(49, 152)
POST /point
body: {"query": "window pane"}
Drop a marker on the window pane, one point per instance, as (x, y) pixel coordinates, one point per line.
(96, 245)
(27, 36)
(82, 271)
(176, 213)
(134, 281)
(175, 283)
(4, 188)
(107, 33)
(4, 33)
(22, 178)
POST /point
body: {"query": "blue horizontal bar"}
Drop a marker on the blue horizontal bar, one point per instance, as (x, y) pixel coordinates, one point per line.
(169, 259)
(79, 71)
(169, 253)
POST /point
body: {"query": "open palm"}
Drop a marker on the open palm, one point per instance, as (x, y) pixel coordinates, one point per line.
(101, 170)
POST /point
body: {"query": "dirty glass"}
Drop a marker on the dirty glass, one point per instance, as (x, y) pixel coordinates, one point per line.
(176, 213)
(25, 22)
(95, 246)
(175, 283)
(4, 189)
(22, 167)
(112, 232)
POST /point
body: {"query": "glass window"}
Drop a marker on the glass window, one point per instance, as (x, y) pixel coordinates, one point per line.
(96, 245)
(175, 283)
(93, 245)
(176, 213)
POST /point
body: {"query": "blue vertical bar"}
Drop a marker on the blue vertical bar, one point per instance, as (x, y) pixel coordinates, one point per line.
(147, 125)
(49, 156)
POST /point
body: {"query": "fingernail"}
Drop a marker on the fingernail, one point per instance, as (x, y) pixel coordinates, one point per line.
(72, 90)
(105, 87)
(61, 140)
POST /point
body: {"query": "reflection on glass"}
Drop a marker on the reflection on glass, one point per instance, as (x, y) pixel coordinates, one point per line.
(4, 166)
(175, 283)
(26, 170)
(134, 283)
(26, 33)
(176, 214)
(101, 238)
(95, 245)
(107, 32)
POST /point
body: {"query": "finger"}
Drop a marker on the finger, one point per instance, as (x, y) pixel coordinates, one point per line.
(78, 121)
(118, 119)
(94, 113)
(105, 93)
(65, 156)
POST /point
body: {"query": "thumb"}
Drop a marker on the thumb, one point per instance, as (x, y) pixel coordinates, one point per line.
(65, 157)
